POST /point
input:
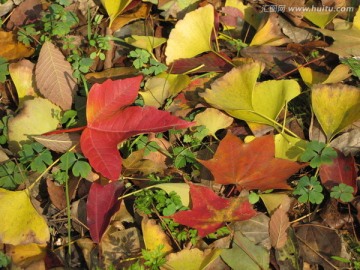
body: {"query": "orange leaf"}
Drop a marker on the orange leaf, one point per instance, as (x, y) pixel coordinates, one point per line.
(250, 165)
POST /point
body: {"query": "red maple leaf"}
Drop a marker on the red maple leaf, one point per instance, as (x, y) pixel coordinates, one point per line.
(112, 120)
(209, 211)
(250, 165)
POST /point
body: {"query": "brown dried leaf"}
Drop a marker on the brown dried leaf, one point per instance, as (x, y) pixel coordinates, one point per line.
(59, 142)
(54, 76)
(279, 223)
(56, 194)
(27, 12)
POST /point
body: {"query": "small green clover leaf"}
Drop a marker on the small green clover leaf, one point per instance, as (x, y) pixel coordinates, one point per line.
(318, 153)
(310, 190)
(342, 192)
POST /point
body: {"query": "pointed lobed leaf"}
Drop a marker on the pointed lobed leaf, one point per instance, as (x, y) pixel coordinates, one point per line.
(54, 76)
(110, 96)
(251, 165)
(191, 36)
(102, 203)
(335, 106)
(342, 170)
(111, 121)
(209, 211)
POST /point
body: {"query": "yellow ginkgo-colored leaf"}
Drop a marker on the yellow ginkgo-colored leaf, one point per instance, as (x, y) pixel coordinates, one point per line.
(288, 147)
(213, 120)
(21, 223)
(26, 255)
(148, 43)
(270, 34)
(141, 13)
(273, 200)
(38, 116)
(191, 259)
(22, 74)
(11, 49)
(239, 95)
(191, 36)
(320, 19)
(311, 77)
(335, 106)
(181, 189)
(154, 235)
(114, 8)
(163, 86)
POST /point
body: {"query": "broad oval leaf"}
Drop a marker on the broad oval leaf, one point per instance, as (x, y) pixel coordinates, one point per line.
(23, 224)
(102, 203)
(335, 106)
(191, 36)
(54, 76)
(11, 49)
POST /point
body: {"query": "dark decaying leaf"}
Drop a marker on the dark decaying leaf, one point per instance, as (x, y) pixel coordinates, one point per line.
(209, 211)
(102, 203)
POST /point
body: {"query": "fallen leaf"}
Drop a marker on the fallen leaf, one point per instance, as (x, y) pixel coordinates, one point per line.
(102, 203)
(136, 162)
(56, 194)
(191, 36)
(348, 142)
(25, 255)
(176, 8)
(245, 254)
(148, 43)
(255, 103)
(181, 189)
(62, 86)
(154, 235)
(251, 165)
(23, 224)
(320, 19)
(11, 49)
(111, 120)
(26, 13)
(61, 142)
(209, 211)
(38, 116)
(22, 74)
(141, 13)
(270, 34)
(273, 200)
(289, 147)
(344, 101)
(213, 120)
(114, 8)
(114, 73)
(342, 170)
(191, 259)
(311, 77)
(279, 223)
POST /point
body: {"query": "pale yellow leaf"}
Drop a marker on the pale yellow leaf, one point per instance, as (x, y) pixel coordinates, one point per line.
(114, 8)
(213, 120)
(320, 19)
(25, 255)
(163, 86)
(274, 200)
(154, 235)
(38, 116)
(181, 189)
(191, 36)
(23, 224)
(148, 43)
(289, 147)
(141, 13)
(335, 106)
(22, 74)
(54, 76)
(311, 77)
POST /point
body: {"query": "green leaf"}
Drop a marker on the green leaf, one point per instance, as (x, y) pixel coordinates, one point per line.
(81, 168)
(310, 190)
(342, 192)
(318, 153)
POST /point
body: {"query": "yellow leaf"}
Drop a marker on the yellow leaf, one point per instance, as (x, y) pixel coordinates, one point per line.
(11, 49)
(148, 43)
(38, 116)
(273, 200)
(25, 255)
(181, 189)
(154, 235)
(21, 224)
(22, 74)
(255, 103)
(163, 86)
(141, 13)
(193, 259)
(288, 147)
(114, 8)
(213, 120)
(320, 19)
(191, 36)
(311, 77)
(335, 106)
(270, 34)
